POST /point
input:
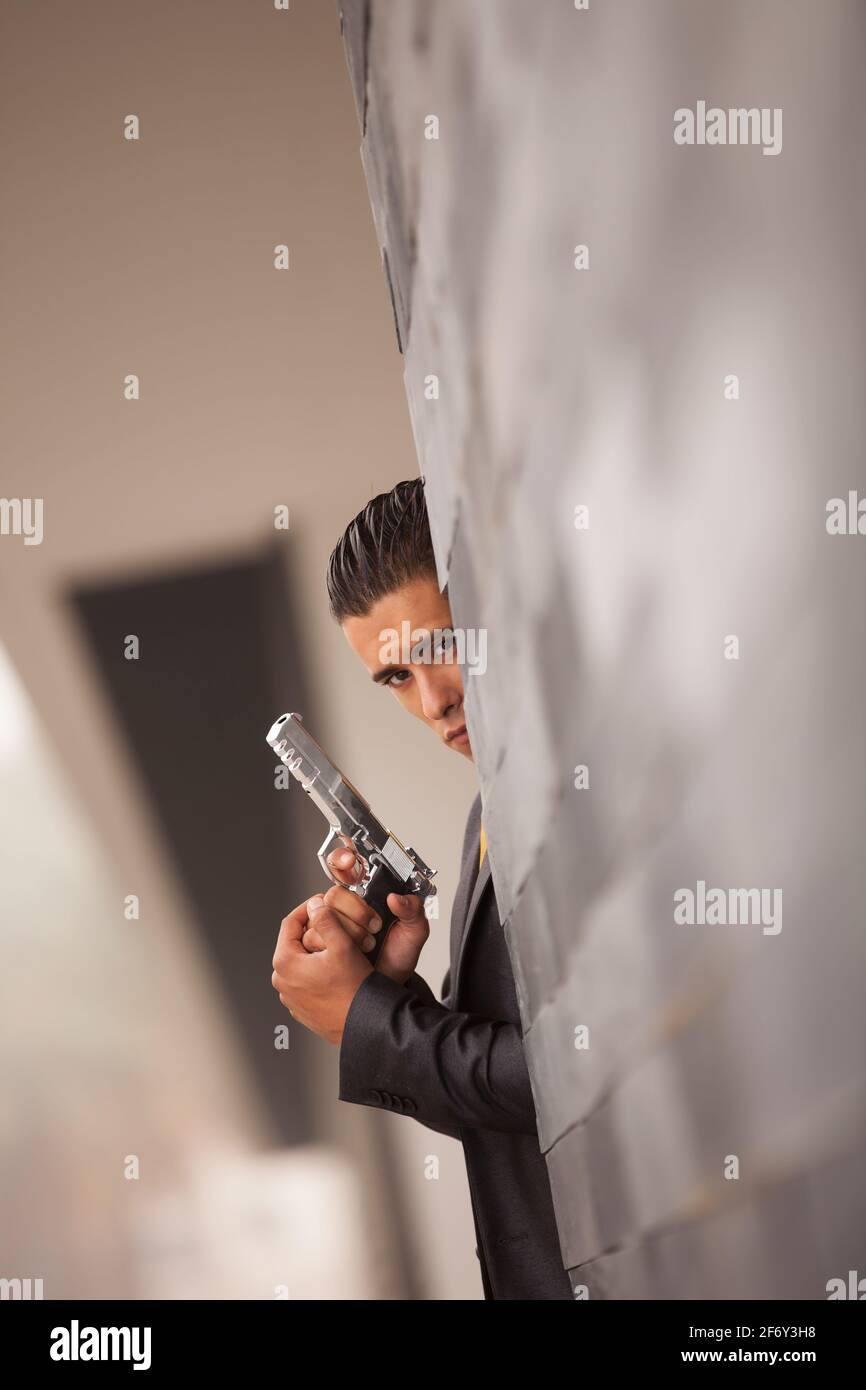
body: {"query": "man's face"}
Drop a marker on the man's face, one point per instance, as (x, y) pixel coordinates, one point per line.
(430, 689)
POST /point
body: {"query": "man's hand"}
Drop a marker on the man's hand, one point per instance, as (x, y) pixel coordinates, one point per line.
(406, 936)
(318, 987)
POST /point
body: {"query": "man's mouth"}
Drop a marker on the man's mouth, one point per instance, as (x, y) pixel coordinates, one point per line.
(457, 737)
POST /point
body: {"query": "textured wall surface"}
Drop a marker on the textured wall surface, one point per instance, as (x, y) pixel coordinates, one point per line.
(695, 638)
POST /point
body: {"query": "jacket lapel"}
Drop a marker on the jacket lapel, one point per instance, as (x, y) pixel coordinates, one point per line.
(470, 890)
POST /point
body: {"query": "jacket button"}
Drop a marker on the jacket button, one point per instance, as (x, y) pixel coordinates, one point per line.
(409, 1104)
(377, 1096)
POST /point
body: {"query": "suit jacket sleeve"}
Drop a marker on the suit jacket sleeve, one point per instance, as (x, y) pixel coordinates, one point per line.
(403, 1051)
(420, 986)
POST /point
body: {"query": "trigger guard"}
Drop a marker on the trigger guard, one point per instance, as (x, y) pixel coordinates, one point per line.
(336, 834)
(322, 856)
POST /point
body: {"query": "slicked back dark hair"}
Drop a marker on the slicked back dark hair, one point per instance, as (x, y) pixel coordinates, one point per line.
(386, 546)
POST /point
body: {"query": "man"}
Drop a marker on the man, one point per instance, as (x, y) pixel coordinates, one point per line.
(457, 1067)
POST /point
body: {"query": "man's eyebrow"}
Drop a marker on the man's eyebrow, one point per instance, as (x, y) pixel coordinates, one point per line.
(379, 676)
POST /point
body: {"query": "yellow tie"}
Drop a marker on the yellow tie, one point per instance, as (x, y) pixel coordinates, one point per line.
(483, 847)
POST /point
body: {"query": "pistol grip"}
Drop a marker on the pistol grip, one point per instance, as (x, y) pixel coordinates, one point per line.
(380, 881)
(379, 884)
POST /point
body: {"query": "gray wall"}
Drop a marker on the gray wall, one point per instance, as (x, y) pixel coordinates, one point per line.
(609, 646)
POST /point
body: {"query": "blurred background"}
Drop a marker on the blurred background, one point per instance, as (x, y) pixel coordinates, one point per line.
(152, 1038)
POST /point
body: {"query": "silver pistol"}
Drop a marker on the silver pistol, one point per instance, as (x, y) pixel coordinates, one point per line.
(388, 865)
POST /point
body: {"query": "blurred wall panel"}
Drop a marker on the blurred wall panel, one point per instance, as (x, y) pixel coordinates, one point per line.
(190, 660)
(634, 372)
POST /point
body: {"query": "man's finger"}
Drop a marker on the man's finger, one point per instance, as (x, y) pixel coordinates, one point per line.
(327, 923)
(314, 942)
(409, 908)
(292, 928)
(344, 863)
(349, 904)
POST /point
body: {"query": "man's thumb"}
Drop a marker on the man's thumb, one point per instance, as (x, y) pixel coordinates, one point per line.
(409, 908)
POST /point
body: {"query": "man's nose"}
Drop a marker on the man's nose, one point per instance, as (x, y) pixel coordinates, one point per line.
(439, 691)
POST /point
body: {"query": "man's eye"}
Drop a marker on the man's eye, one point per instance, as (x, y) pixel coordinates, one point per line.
(445, 643)
(393, 677)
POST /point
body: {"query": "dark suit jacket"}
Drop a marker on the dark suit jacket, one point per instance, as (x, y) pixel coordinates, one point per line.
(459, 1068)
